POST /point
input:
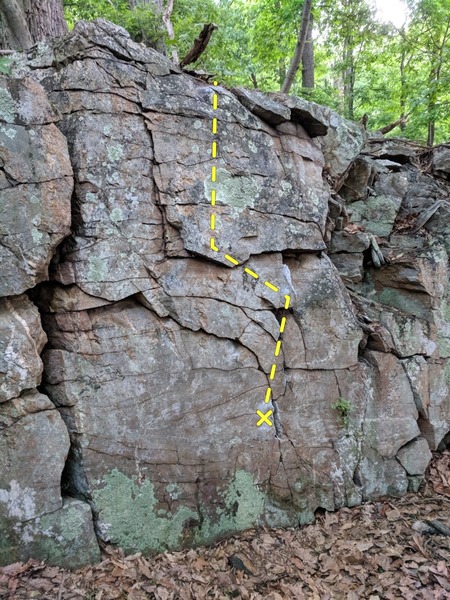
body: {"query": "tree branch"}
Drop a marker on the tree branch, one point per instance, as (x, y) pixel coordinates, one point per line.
(401, 121)
(199, 45)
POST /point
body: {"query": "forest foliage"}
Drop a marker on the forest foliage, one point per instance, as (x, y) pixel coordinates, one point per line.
(362, 66)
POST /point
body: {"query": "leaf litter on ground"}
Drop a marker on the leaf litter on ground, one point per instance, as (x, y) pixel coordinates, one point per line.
(370, 551)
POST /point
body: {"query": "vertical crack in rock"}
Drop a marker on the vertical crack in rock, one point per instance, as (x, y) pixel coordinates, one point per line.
(73, 482)
(158, 203)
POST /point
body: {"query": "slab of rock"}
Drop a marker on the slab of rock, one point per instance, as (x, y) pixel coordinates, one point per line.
(118, 233)
(262, 105)
(377, 214)
(380, 476)
(350, 266)
(346, 242)
(163, 419)
(356, 183)
(34, 444)
(339, 139)
(441, 159)
(415, 456)
(436, 426)
(410, 335)
(21, 342)
(261, 187)
(64, 537)
(311, 116)
(439, 225)
(35, 174)
(391, 417)
(398, 149)
(419, 278)
(322, 309)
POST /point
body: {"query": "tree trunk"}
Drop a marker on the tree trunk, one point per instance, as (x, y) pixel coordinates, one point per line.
(26, 22)
(298, 53)
(168, 23)
(430, 137)
(282, 60)
(308, 58)
(349, 80)
(403, 80)
(45, 19)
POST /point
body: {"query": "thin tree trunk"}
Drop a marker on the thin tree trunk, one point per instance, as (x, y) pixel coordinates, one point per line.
(281, 61)
(349, 79)
(158, 4)
(403, 81)
(168, 23)
(298, 53)
(431, 131)
(308, 58)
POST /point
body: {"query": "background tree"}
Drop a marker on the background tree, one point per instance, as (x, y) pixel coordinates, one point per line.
(431, 27)
(299, 46)
(308, 58)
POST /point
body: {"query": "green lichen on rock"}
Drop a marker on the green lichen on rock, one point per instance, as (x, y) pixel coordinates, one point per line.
(128, 515)
(64, 537)
(404, 301)
(244, 505)
(130, 518)
(97, 270)
(377, 214)
(7, 106)
(237, 192)
(115, 152)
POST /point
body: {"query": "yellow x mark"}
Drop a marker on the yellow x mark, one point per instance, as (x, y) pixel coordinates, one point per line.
(264, 418)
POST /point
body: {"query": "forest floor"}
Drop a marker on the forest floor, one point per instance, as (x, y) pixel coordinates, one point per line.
(371, 551)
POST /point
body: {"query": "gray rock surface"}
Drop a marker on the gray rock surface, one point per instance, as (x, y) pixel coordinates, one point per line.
(339, 139)
(160, 352)
(35, 165)
(441, 160)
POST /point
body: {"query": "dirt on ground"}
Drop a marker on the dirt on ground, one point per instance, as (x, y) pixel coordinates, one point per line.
(388, 549)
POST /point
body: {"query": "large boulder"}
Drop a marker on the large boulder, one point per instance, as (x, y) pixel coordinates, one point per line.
(199, 387)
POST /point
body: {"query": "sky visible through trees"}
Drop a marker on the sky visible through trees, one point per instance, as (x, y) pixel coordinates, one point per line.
(392, 11)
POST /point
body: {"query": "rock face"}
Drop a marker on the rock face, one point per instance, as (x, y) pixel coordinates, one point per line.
(159, 349)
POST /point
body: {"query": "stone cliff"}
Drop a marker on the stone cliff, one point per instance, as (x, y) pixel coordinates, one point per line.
(134, 357)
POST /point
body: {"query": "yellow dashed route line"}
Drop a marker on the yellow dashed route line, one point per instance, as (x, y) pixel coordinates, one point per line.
(263, 417)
